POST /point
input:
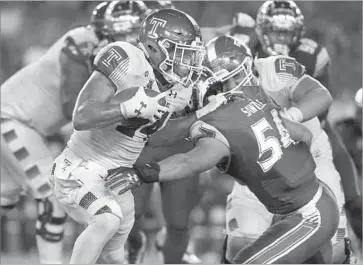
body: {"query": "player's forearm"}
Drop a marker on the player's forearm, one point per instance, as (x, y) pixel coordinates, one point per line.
(321, 100)
(96, 115)
(178, 167)
(174, 131)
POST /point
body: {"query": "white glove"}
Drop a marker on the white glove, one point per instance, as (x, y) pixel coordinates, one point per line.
(143, 106)
(178, 97)
(243, 20)
(293, 114)
(214, 102)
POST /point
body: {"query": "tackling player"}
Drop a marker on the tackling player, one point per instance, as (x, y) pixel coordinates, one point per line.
(178, 197)
(170, 43)
(249, 139)
(36, 102)
(279, 29)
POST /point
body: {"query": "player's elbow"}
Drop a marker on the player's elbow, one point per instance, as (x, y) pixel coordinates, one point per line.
(80, 120)
(326, 97)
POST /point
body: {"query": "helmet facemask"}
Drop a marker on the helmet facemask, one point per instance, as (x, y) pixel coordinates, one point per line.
(183, 62)
(122, 25)
(238, 77)
(279, 30)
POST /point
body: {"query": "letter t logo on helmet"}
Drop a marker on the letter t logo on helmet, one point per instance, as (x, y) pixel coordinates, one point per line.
(156, 22)
(171, 40)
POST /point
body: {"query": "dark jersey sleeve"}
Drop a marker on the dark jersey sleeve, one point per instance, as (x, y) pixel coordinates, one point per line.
(313, 56)
(113, 62)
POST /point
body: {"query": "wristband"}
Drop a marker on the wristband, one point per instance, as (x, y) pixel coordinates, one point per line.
(295, 114)
(201, 112)
(149, 172)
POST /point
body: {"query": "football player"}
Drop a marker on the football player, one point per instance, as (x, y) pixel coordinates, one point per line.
(279, 29)
(36, 102)
(170, 43)
(178, 198)
(252, 142)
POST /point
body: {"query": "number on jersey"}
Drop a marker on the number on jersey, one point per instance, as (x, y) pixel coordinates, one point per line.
(270, 143)
(289, 66)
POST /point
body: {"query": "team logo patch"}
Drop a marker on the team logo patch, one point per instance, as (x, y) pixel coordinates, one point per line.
(113, 54)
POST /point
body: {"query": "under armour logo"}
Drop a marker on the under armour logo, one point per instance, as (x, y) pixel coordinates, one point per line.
(173, 93)
(156, 22)
(142, 106)
(132, 177)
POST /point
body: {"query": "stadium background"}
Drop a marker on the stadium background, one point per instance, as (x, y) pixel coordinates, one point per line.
(28, 28)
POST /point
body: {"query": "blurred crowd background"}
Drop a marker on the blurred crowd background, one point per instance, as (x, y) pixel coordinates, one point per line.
(29, 28)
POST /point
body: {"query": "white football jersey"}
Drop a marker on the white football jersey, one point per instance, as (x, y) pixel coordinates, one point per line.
(33, 94)
(280, 76)
(126, 66)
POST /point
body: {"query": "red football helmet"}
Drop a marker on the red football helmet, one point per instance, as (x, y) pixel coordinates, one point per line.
(118, 20)
(172, 42)
(230, 62)
(279, 26)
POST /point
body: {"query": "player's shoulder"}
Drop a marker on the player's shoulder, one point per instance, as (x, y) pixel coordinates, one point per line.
(79, 43)
(120, 55)
(124, 64)
(313, 55)
(278, 73)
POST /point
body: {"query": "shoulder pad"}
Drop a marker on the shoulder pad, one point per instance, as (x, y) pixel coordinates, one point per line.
(200, 129)
(79, 43)
(278, 73)
(114, 62)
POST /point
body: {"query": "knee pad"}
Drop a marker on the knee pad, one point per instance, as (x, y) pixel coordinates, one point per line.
(45, 218)
(5, 209)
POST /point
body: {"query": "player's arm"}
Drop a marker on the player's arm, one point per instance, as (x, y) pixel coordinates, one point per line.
(310, 97)
(211, 148)
(298, 131)
(174, 131)
(93, 110)
(207, 153)
(178, 129)
(75, 73)
(285, 75)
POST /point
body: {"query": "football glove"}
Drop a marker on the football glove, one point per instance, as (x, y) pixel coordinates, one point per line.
(122, 179)
(148, 107)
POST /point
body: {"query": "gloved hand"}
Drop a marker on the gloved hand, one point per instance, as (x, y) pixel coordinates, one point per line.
(143, 106)
(178, 97)
(120, 180)
(214, 102)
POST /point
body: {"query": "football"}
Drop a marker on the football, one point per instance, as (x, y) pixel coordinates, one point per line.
(125, 95)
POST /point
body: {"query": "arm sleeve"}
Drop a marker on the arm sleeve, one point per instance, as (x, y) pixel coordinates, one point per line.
(113, 62)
